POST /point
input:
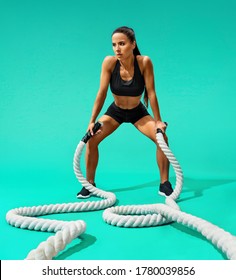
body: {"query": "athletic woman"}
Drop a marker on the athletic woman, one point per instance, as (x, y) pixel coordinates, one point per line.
(129, 74)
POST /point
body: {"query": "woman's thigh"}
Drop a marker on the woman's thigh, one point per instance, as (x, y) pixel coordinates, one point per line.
(109, 125)
(146, 125)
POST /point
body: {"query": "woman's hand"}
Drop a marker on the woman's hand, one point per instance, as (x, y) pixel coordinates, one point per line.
(161, 125)
(90, 128)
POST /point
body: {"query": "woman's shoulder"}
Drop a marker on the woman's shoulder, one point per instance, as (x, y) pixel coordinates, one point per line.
(144, 62)
(109, 62)
(144, 59)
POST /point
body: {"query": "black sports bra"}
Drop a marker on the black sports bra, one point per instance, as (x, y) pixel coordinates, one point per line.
(133, 87)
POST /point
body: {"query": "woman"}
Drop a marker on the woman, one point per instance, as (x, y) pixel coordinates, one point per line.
(128, 74)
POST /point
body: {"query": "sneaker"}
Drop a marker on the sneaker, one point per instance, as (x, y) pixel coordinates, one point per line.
(84, 193)
(165, 189)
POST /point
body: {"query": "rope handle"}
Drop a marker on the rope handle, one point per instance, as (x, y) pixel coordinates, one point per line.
(88, 135)
(159, 130)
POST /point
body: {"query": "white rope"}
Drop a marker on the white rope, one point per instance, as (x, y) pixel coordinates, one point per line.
(123, 216)
(159, 214)
(24, 217)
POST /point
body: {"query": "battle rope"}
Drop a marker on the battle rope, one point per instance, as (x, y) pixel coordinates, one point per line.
(125, 216)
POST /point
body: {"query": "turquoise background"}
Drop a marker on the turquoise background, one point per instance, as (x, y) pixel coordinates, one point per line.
(50, 60)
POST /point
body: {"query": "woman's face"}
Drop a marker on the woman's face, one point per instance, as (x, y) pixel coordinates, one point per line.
(122, 46)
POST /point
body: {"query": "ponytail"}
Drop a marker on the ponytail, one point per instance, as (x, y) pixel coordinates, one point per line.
(145, 98)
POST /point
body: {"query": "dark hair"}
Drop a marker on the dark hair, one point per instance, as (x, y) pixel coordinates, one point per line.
(129, 32)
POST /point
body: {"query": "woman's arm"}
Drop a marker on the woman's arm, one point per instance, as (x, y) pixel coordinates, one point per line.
(150, 87)
(102, 92)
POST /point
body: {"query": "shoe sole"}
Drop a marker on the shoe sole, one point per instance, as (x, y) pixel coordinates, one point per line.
(83, 196)
(163, 194)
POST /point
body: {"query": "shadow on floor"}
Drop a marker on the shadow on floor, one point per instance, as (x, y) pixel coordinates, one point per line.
(195, 187)
(86, 241)
(195, 234)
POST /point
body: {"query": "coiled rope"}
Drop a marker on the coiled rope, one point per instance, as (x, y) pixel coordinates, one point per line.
(123, 216)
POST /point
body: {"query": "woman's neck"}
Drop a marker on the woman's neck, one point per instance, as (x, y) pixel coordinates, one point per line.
(128, 63)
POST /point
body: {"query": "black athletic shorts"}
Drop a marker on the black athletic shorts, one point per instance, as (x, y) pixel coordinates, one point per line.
(127, 115)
